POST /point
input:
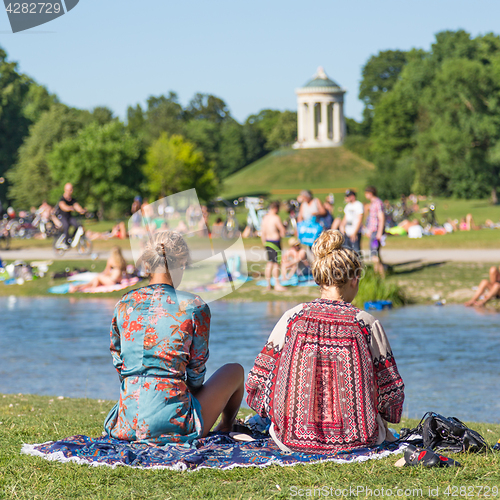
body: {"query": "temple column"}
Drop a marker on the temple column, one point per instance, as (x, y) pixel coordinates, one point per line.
(336, 122)
(342, 123)
(312, 121)
(323, 128)
(300, 122)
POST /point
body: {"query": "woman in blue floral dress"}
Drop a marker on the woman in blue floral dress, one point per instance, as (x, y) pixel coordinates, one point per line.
(159, 344)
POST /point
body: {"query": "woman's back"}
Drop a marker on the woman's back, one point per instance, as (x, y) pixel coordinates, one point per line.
(159, 344)
(327, 358)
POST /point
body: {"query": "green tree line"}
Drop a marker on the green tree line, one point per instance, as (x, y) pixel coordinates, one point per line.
(431, 121)
(162, 147)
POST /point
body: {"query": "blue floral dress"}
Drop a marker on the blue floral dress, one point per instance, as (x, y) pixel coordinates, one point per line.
(159, 344)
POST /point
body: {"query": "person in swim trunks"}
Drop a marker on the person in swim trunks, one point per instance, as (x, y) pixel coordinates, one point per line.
(272, 230)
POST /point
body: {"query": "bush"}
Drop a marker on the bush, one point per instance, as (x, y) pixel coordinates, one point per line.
(373, 287)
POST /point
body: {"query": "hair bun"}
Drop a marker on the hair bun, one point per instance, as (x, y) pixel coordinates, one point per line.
(160, 249)
(327, 243)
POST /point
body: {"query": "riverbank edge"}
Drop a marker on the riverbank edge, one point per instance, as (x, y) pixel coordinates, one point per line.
(423, 283)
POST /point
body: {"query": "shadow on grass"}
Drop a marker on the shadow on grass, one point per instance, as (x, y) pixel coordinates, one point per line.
(412, 269)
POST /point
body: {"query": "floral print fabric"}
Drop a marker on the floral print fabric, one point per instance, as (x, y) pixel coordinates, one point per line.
(159, 345)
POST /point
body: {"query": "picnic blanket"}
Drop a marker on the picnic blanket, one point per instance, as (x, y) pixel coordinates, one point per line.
(293, 281)
(65, 287)
(217, 451)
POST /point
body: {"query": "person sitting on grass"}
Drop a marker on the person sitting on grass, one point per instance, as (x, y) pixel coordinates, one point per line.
(294, 261)
(490, 288)
(159, 345)
(327, 378)
(112, 274)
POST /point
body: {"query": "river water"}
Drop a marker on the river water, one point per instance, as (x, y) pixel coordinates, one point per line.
(449, 357)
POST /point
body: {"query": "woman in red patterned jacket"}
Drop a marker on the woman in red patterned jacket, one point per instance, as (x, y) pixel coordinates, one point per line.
(327, 378)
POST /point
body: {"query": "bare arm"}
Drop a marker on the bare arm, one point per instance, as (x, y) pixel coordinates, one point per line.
(280, 227)
(79, 208)
(342, 225)
(359, 223)
(321, 209)
(65, 207)
(381, 224)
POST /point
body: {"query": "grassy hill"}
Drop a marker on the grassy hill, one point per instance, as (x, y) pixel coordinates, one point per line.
(285, 172)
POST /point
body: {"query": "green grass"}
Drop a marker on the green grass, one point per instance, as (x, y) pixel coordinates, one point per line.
(36, 419)
(293, 170)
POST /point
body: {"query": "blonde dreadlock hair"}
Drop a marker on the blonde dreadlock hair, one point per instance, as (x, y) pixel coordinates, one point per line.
(165, 251)
(334, 265)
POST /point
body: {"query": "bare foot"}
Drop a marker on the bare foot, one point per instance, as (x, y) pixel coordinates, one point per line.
(223, 427)
(279, 288)
(469, 303)
(268, 288)
(479, 303)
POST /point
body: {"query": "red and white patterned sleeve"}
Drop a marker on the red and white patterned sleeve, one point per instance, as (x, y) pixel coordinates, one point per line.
(260, 380)
(388, 381)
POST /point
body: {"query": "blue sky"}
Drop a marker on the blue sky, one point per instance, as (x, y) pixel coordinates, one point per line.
(253, 55)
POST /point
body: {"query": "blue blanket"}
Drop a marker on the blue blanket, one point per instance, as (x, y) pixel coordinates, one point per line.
(217, 451)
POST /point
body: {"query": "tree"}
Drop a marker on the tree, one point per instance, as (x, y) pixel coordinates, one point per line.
(14, 125)
(173, 165)
(284, 132)
(231, 150)
(206, 135)
(379, 75)
(31, 179)
(461, 131)
(208, 107)
(441, 119)
(102, 162)
(102, 115)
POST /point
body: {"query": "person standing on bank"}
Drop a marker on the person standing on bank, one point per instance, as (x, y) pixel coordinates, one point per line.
(352, 222)
(67, 204)
(375, 226)
(271, 232)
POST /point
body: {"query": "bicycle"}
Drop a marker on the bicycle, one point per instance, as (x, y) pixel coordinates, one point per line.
(79, 241)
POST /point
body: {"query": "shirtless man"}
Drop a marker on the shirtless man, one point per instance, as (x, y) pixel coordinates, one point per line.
(272, 230)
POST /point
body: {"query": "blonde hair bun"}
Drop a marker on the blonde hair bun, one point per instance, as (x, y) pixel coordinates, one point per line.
(327, 243)
(333, 264)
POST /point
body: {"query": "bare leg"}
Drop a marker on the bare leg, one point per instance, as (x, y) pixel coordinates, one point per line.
(494, 289)
(268, 271)
(494, 274)
(221, 394)
(378, 267)
(485, 285)
(276, 275)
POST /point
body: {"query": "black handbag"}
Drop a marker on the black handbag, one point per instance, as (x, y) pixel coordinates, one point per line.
(444, 433)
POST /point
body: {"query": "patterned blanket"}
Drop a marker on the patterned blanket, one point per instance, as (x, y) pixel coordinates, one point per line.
(217, 451)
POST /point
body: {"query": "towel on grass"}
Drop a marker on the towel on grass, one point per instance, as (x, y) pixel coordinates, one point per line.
(293, 281)
(65, 287)
(217, 451)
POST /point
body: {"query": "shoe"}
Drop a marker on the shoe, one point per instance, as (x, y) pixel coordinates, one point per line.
(426, 457)
(419, 456)
(497, 446)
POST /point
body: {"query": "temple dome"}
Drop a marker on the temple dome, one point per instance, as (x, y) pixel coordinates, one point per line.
(320, 79)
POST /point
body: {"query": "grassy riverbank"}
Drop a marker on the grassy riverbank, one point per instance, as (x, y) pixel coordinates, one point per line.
(420, 282)
(36, 419)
